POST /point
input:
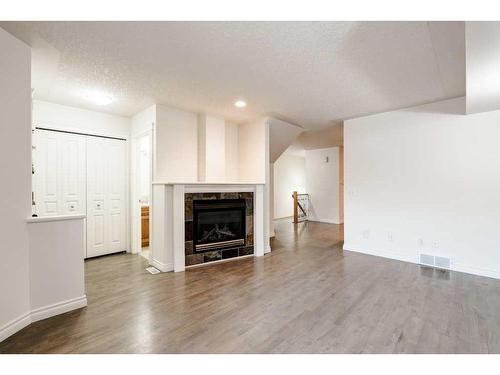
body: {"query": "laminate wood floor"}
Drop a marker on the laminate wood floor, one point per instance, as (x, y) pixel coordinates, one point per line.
(306, 296)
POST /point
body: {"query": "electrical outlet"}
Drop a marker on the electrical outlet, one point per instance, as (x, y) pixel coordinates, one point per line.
(366, 234)
(390, 237)
(420, 242)
(435, 244)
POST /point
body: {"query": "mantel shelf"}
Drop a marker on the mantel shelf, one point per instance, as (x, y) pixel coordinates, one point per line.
(207, 183)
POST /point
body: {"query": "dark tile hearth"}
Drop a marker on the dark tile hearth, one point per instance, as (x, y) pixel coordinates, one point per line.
(211, 256)
(229, 253)
(196, 257)
(247, 250)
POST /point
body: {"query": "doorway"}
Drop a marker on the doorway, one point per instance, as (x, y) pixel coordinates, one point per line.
(143, 193)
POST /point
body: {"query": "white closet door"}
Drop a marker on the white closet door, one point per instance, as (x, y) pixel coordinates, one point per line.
(106, 190)
(60, 168)
(73, 174)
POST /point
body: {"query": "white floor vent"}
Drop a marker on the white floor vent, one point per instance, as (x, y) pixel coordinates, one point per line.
(435, 261)
(152, 270)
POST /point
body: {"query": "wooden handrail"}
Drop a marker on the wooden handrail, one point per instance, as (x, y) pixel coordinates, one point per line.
(297, 205)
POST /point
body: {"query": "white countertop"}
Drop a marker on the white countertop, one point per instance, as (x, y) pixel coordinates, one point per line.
(42, 219)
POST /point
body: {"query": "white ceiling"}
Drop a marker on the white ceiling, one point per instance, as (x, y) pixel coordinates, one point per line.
(483, 66)
(309, 73)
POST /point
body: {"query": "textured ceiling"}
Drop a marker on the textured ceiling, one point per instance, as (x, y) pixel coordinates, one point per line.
(483, 66)
(309, 73)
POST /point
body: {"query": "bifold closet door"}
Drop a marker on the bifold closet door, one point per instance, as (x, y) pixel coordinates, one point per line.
(60, 169)
(106, 192)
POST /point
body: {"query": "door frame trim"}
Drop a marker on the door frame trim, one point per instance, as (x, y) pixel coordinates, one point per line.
(135, 208)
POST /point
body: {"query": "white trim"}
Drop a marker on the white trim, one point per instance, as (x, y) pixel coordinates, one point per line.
(45, 312)
(267, 249)
(15, 326)
(163, 267)
(283, 217)
(209, 188)
(58, 308)
(495, 274)
(259, 224)
(178, 225)
(322, 220)
(220, 261)
(135, 207)
(239, 183)
(43, 219)
(382, 254)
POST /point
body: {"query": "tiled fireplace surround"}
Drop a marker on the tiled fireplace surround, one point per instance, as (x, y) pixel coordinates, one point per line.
(194, 258)
(171, 246)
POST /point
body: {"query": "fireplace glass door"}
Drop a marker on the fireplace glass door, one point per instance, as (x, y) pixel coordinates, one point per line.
(218, 224)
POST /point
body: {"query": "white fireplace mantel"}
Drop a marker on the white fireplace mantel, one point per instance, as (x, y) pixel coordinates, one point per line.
(167, 219)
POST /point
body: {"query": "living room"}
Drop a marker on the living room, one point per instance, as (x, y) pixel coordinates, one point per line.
(256, 187)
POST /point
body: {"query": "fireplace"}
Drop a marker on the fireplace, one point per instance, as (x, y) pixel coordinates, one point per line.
(218, 224)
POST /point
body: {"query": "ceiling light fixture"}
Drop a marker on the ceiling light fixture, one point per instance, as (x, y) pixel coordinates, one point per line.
(99, 98)
(240, 104)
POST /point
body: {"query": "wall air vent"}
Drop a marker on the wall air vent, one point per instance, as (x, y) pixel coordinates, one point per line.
(427, 260)
(435, 261)
(442, 262)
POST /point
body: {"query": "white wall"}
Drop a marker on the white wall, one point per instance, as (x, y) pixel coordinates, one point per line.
(232, 154)
(211, 148)
(15, 174)
(252, 141)
(57, 282)
(281, 135)
(143, 121)
(61, 117)
(144, 175)
(176, 145)
(428, 177)
(482, 46)
(322, 184)
(289, 176)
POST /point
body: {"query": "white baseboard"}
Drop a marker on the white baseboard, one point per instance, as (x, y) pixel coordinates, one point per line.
(14, 326)
(322, 220)
(41, 313)
(283, 217)
(58, 308)
(163, 267)
(381, 253)
(495, 274)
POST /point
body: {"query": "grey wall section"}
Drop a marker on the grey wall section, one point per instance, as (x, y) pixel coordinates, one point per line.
(15, 186)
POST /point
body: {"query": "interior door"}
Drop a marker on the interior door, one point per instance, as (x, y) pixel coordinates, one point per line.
(60, 169)
(116, 176)
(106, 190)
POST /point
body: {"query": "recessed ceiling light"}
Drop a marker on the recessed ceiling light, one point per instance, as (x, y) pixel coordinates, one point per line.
(99, 98)
(240, 104)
